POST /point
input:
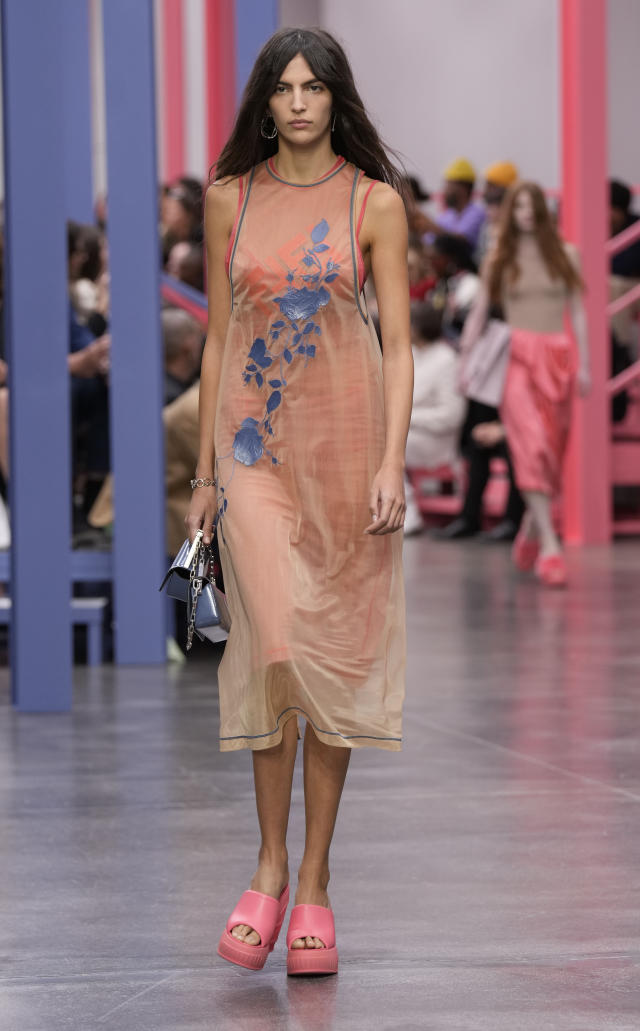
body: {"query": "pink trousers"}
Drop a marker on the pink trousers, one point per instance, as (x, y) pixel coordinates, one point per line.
(536, 407)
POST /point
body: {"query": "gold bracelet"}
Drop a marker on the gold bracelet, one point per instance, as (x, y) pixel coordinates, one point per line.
(203, 481)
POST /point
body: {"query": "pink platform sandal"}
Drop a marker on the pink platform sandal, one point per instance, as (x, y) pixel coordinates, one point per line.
(525, 552)
(314, 922)
(266, 915)
(552, 571)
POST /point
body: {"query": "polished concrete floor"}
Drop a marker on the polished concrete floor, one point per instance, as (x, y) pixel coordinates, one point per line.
(486, 877)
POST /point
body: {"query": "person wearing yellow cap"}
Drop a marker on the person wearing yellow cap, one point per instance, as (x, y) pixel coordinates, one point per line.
(502, 174)
(462, 215)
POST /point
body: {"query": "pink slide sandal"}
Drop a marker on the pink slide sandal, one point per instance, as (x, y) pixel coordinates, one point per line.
(314, 922)
(266, 915)
(525, 551)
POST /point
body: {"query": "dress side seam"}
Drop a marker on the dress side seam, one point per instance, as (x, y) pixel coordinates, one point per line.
(237, 235)
(354, 260)
(234, 230)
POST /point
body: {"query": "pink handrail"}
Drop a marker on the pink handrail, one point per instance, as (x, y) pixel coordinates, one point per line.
(622, 240)
(623, 379)
(623, 302)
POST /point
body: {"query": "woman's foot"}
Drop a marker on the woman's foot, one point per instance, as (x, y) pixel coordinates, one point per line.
(270, 878)
(552, 570)
(311, 891)
(526, 546)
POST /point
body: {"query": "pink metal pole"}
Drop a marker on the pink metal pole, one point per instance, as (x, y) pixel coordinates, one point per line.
(587, 493)
(173, 69)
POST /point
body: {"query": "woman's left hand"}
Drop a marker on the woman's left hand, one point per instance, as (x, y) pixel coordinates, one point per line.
(386, 501)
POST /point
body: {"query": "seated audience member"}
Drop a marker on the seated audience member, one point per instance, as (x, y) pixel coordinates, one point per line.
(421, 277)
(180, 420)
(181, 456)
(419, 221)
(438, 408)
(482, 439)
(457, 283)
(498, 178)
(627, 262)
(89, 291)
(186, 263)
(182, 339)
(462, 215)
(88, 364)
(181, 214)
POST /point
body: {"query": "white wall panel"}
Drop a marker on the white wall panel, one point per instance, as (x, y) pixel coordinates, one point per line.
(458, 78)
(195, 88)
(624, 89)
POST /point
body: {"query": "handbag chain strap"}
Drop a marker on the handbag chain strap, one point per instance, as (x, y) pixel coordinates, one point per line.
(195, 589)
(202, 553)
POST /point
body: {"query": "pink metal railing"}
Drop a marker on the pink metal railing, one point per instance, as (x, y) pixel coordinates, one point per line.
(614, 246)
(622, 240)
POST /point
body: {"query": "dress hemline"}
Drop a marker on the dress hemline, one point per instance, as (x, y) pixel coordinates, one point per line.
(257, 742)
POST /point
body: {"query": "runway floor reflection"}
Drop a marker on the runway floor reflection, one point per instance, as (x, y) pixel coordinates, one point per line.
(486, 877)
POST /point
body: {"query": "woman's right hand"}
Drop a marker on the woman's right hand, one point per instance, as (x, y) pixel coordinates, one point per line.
(202, 512)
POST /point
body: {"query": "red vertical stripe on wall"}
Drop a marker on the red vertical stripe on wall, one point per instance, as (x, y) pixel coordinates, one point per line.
(174, 127)
(221, 87)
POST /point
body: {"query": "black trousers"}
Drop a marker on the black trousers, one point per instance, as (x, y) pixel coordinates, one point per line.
(479, 459)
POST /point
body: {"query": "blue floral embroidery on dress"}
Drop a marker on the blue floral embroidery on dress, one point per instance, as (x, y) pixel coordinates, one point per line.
(267, 364)
(247, 443)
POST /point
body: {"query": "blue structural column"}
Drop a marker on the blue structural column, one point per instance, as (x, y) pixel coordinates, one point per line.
(256, 20)
(37, 332)
(136, 359)
(77, 142)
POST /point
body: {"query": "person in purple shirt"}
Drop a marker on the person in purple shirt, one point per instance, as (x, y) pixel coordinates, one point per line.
(462, 215)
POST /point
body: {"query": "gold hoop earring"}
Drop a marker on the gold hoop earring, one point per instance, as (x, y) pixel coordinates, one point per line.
(266, 135)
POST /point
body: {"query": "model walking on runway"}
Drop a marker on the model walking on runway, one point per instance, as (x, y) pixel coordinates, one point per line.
(303, 426)
(534, 277)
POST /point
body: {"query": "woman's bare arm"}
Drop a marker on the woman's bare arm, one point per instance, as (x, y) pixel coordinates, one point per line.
(578, 317)
(219, 215)
(385, 232)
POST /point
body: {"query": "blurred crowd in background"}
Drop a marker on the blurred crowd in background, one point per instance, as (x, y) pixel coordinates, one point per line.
(456, 447)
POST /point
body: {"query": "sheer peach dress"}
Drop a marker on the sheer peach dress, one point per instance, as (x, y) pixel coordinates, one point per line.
(317, 605)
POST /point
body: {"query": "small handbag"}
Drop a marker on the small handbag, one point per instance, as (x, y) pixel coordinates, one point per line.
(191, 578)
(485, 367)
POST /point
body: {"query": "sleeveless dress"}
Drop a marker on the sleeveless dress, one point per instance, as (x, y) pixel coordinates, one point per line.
(317, 605)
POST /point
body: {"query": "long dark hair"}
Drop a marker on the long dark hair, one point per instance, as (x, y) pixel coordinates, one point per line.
(354, 137)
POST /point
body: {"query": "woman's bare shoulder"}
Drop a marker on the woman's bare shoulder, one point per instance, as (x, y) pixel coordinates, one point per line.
(221, 197)
(383, 202)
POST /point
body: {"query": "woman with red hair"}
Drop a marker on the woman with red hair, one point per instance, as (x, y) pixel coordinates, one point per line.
(534, 277)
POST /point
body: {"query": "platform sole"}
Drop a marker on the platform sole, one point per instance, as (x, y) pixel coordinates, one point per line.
(252, 957)
(312, 961)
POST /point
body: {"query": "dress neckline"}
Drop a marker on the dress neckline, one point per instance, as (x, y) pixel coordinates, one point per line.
(316, 182)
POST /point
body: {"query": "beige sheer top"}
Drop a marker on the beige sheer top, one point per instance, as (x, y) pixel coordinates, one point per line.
(536, 301)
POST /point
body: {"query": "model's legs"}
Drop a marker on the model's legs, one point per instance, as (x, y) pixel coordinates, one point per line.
(515, 509)
(325, 769)
(539, 516)
(273, 776)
